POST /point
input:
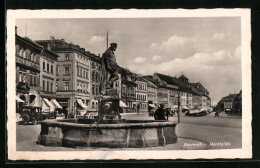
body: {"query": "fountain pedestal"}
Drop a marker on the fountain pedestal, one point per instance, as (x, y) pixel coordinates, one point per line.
(109, 108)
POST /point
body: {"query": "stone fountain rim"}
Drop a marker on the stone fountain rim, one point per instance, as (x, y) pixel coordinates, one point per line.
(151, 124)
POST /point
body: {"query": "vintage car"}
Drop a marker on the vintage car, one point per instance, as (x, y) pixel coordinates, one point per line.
(200, 111)
(30, 114)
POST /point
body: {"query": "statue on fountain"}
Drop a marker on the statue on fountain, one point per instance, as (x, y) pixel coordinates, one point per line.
(109, 102)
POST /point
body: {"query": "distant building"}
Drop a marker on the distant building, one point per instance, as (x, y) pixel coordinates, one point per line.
(141, 94)
(95, 71)
(129, 93)
(230, 103)
(151, 92)
(27, 58)
(205, 99)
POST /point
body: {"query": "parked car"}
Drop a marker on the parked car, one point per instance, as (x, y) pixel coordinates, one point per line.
(201, 111)
(30, 114)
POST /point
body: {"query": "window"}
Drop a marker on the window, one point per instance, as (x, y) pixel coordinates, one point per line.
(92, 77)
(43, 66)
(57, 70)
(67, 70)
(96, 90)
(78, 71)
(47, 86)
(51, 68)
(67, 57)
(35, 80)
(31, 79)
(43, 85)
(56, 86)
(48, 67)
(87, 74)
(93, 90)
(51, 86)
(66, 85)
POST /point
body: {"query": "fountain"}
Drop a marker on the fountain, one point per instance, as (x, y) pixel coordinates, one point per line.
(108, 129)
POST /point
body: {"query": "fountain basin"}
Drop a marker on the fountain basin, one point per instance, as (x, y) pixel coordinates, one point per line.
(115, 134)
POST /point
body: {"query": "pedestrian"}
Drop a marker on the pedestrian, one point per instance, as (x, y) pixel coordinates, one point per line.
(167, 113)
(160, 113)
(138, 108)
(217, 114)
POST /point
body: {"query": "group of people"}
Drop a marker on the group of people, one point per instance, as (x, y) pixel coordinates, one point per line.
(161, 113)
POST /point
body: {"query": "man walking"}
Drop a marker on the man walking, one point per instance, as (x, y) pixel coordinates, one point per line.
(160, 113)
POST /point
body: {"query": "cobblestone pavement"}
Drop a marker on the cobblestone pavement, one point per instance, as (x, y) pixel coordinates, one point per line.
(192, 132)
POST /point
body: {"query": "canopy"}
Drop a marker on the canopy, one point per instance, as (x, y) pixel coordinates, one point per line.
(122, 104)
(82, 104)
(174, 106)
(56, 104)
(151, 105)
(19, 100)
(184, 107)
(47, 105)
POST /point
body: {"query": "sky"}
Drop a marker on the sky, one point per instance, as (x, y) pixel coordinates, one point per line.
(204, 49)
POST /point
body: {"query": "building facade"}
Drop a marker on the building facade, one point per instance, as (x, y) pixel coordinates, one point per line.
(27, 57)
(48, 61)
(141, 95)
(95, 71)
(72, 75)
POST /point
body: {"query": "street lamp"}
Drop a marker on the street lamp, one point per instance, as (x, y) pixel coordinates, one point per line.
(179, 105)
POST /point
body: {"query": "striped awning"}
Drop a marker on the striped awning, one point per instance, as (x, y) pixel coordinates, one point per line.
(57, 105)
(19, 100)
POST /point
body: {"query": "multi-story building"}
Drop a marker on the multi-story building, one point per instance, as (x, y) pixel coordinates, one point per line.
(48, 61)
(27, 71)
(141, 94)
(128, 95)
(72, 75)
(95, 71)
(205, 100)
(151, 91)
(170, 86)
(186, 95)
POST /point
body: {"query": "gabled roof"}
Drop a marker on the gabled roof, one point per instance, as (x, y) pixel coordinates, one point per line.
(167, 79)
(151, 79)
(183, 77)
(200, 88)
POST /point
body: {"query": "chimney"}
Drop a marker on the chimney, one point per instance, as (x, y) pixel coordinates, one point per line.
(51, 38)
(15, 30)
(99, 55)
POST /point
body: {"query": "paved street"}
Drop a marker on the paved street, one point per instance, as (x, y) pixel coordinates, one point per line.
(220, 133)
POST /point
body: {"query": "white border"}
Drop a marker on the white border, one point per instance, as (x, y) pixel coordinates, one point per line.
(245, 152)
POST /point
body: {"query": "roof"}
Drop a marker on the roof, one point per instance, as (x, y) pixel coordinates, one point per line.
(151, 79)
(200, 88)
(166, 78)
(70, 46)
(29, 42)
(183, 77)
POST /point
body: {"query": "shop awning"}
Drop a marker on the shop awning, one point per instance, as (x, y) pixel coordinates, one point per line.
(122, 104)
(184, 107)
(82, 104)
(152, 105)
(19, 100)
(56, 104)
(174, 106)
(47, 105)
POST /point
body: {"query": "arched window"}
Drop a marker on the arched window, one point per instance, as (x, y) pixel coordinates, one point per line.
(24, 53)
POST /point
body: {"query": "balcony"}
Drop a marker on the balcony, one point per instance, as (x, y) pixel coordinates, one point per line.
(27, 63)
